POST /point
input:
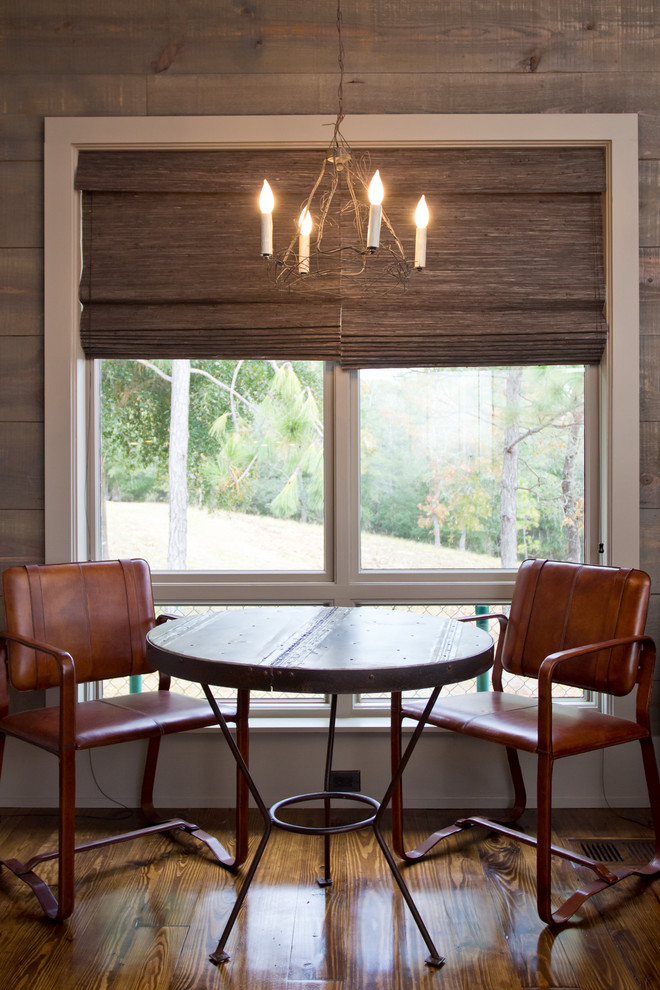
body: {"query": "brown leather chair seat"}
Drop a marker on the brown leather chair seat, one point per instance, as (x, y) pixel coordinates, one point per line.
(106, 722)
(513, 721)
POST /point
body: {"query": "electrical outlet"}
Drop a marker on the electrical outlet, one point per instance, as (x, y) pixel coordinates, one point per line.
(345, 780)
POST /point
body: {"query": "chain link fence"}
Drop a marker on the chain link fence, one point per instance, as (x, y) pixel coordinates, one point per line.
(274, 702)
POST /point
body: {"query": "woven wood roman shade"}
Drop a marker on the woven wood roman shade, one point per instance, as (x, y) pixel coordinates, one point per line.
(172, 265)
(515, 273)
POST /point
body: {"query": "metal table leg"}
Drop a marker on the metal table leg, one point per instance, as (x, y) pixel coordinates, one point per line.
(219, 955)
(373, 820)
(434, 958)
(326, 879)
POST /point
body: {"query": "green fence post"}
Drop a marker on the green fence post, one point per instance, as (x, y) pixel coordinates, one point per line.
(483, 680)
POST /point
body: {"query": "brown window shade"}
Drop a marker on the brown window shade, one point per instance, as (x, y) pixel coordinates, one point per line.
(515, 274)
(172, 265)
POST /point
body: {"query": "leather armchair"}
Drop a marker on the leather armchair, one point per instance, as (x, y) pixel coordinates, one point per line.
(72, 624)
(570, 624)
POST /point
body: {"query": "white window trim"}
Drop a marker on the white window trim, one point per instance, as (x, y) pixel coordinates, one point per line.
(66, 380)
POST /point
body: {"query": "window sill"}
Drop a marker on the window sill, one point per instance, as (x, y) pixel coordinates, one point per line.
(353, 723)
(357, 723)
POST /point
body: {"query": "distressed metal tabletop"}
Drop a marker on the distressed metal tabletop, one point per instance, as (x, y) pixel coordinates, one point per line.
(316, 648)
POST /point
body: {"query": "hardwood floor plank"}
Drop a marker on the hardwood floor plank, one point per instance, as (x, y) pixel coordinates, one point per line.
(260, 943)
(317, 949)
(475, 946)
(114, 884)
(626, 916)
(545, 958)
(315, 985)
(384, 948)
(510, 872)
(148, 961)
(633, 922)
(75, 952)
(629, 913)
(149, 912)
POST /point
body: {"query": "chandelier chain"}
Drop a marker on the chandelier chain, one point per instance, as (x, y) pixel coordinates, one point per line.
(340, 87)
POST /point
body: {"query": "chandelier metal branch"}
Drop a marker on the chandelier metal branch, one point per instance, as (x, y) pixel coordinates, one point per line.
(308, 256)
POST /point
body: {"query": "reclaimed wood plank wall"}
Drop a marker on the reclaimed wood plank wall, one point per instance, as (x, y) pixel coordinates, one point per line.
(114, 57)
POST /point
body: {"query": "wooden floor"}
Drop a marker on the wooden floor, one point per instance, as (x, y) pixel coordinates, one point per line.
(149, 912)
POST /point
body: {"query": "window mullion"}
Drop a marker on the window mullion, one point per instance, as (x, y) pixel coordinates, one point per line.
(345, 486)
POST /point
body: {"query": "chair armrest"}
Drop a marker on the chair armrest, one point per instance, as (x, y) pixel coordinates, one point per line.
(554, 660)
(61, 657)
(503, 619)
(164, 680)
(497, 659)
(67, 674)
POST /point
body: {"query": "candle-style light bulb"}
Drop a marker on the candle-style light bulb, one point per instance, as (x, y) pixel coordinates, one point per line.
(266, 204)
(305, 225)
(376, 193)
(421, 222)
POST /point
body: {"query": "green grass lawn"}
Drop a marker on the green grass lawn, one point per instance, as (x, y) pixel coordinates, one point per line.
(225, 540)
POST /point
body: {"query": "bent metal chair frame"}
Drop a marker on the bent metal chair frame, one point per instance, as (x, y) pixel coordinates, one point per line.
(569, 624)
(69, 624)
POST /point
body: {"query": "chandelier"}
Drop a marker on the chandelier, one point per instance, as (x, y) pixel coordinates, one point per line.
(313, 252)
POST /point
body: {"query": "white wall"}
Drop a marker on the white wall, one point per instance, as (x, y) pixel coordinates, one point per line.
(447, 771)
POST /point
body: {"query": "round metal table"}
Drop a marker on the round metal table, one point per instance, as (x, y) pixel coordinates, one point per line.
(328, 650)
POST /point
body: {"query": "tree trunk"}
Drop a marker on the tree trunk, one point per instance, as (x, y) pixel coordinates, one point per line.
(569, 501)
(509, 482)
(302, 498)
(178, 465)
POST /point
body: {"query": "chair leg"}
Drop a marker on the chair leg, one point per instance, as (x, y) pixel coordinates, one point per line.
(519, 805)
(396, 752)
(398, 842)
(148, 780)
(519, 792)
(65, 853)
(150, 813)
(605, 877)
(242, 789)
(67, 843)
(395, 759)
(543, 837)
(60, 908)
(653, 788)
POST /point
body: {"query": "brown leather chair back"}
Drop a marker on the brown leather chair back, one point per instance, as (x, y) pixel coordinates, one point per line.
(98, 611)
(561, 606)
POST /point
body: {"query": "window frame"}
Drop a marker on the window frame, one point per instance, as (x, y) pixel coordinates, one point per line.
(69, 378)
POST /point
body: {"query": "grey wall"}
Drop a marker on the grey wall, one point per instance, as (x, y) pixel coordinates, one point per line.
(161, 57)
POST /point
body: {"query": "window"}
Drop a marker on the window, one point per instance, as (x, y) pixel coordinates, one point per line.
(458, 467)
(347, 568)
(212, 465)
(471, 468)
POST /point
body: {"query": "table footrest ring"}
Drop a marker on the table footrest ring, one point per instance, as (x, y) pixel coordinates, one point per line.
(325, 796)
